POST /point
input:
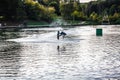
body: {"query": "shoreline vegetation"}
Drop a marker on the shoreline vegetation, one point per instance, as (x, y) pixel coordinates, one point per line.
(20, 26)
(47, 13)
(56, 23)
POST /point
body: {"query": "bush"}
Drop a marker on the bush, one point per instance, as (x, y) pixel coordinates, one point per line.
(117, 21)
(115, 18)
(94, 16)
(36, 11)
(78, 15)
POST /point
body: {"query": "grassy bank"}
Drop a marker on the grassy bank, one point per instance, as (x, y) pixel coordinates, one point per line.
(31, 22)
(56, 22)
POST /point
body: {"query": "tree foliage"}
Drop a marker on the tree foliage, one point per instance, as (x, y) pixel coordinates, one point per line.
(94, 10)
(100, 7)
(25, 9)
(68, 9)
(8, 8)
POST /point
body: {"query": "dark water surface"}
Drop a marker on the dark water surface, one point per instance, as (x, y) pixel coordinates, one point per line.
(36, 54)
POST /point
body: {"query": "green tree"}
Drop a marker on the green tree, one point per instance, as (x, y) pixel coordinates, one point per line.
(56, 6)
(12, 9)
(94, 16)
(36, 11)
(75, 15)
(112, 9)
(67, 10)
(78, 15)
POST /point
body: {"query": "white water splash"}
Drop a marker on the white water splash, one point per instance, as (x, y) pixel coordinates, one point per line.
(49, 37)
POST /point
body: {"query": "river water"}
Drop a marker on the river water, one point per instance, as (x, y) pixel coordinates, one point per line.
(36, 54)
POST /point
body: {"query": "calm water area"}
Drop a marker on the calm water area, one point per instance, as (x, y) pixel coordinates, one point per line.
(36, 54)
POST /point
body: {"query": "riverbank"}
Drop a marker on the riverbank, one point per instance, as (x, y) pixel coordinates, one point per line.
(24, 24)
(42, 26)
(56, 23)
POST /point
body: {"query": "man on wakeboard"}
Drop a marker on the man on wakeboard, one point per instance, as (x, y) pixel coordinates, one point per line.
(58, 35)
(61, 34)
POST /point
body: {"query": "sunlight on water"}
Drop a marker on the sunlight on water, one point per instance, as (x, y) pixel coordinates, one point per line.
(80, 56)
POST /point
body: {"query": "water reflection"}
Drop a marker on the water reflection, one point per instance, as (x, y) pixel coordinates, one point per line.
(60, 49)
(80, 56)
(9, 59)
(9, 34)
